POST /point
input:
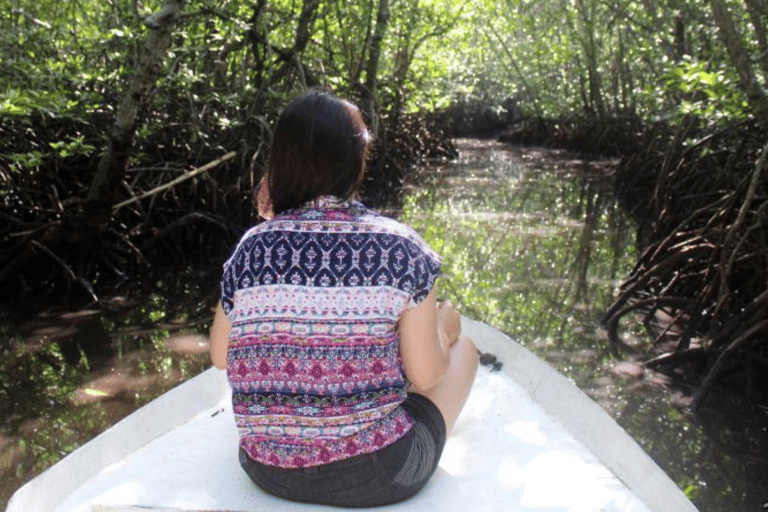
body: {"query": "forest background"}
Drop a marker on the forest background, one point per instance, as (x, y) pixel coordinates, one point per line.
(132, 135)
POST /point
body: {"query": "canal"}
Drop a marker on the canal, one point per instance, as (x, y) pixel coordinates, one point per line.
(533, 244)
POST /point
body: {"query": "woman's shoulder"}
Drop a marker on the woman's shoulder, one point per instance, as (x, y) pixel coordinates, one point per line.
(386, 224)
(249, 239)
(392, 228)
(354, 218)
(254, 232)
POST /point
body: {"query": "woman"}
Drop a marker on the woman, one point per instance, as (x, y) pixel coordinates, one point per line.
(346, 373)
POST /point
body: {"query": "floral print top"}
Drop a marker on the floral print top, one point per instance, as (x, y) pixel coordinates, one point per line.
(314, 296)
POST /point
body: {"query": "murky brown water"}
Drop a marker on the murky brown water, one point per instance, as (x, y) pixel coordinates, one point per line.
(533, 245)
(66, 377)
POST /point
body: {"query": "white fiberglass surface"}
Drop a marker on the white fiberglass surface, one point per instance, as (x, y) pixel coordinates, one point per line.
(505, 454)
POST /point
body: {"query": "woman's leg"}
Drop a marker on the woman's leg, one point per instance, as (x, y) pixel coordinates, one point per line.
(451, 394)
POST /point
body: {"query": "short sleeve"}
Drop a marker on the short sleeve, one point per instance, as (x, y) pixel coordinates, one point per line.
(226, 291)
(228, 285)
(426, 269)
(240, 269)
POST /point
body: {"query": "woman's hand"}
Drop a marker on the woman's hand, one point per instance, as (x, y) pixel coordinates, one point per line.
(448, 324)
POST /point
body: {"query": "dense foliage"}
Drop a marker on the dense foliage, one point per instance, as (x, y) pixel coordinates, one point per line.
(133, 133)
(106, 107)
(105, 102)
(230, 65)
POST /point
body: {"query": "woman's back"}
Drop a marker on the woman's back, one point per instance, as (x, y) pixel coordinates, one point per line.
(314, 297)
(346, 373)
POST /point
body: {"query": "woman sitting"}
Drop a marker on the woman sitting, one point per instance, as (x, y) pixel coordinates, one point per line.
(346, 373)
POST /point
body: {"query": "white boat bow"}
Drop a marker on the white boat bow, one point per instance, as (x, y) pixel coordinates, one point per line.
(528, 440)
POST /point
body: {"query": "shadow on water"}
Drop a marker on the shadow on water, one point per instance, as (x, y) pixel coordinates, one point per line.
(534, 245)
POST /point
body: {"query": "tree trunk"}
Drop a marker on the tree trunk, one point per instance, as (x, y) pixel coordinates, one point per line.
(590, 48)
(758, 14)
(748, 81)
(111, 169)
(370, 106)
(291, 56)
(257, 37)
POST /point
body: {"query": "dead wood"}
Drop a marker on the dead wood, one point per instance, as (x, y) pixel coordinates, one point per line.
(176, 208)
(50, 244)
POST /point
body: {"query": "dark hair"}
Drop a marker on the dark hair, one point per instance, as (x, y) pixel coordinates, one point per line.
(320, 147)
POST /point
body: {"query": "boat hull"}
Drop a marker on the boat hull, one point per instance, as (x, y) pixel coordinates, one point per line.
(528, 439)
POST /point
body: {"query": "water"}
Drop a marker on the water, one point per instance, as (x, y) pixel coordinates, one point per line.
(532, 244)
(66, 377)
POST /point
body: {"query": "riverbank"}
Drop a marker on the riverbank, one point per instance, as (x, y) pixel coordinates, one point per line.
(533, 244)
(536, 245)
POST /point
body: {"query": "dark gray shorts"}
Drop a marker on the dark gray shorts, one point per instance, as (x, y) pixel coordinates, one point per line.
(392, 474)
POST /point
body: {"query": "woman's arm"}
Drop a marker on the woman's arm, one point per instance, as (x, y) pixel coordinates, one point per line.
(427, 332)
(219, 337)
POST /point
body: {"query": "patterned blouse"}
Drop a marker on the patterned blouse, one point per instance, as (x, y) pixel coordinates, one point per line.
(313, 297)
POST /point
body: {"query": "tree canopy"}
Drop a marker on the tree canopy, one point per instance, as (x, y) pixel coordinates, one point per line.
(230, 59)
(132, 134)
(136, 123)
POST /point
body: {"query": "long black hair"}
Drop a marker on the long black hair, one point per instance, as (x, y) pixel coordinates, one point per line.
(320, 147)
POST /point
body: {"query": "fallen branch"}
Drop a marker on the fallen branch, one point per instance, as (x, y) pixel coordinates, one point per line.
(612, 323)
(180, 223)
(724, 357)
(173, 183)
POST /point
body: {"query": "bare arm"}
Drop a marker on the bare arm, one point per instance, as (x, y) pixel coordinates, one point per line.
(219, 337)
(427, 332)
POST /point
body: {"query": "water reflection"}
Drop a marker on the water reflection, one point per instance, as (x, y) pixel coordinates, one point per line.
(534, 245)
(66, 377)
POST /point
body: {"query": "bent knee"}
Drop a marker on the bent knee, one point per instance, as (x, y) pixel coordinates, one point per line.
(468, 349)
(467, 344)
